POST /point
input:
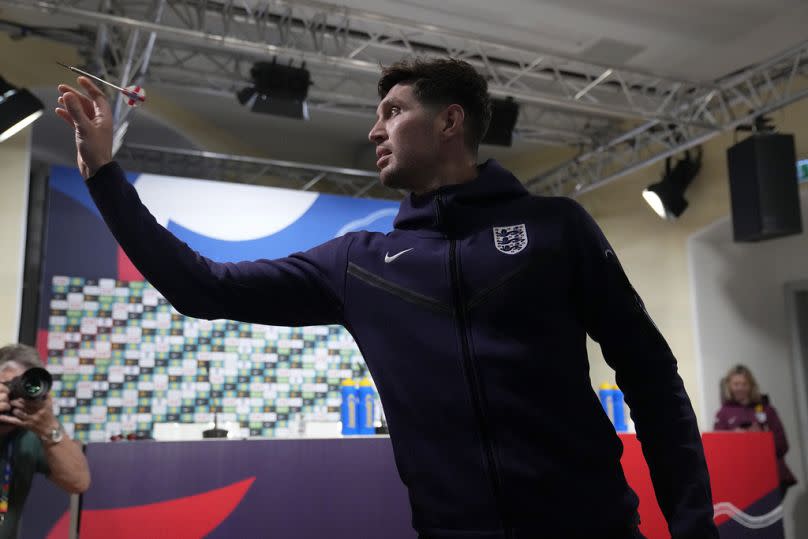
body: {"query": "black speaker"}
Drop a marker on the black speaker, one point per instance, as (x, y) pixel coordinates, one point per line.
(763, 187)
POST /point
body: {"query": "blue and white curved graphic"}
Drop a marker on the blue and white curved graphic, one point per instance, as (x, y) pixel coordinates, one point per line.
(231, 222)
(222, 211)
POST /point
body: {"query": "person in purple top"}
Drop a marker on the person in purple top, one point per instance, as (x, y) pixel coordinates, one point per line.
(479, 291)
(745, 409)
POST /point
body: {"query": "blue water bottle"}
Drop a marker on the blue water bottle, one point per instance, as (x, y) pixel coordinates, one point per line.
(606, 396)
(350, 400)
(618, 410)
(364, 411)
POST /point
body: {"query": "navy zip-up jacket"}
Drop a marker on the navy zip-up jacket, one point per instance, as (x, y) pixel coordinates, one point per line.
(472, 316)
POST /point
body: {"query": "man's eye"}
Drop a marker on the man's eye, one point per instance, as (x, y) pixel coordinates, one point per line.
(394, 111)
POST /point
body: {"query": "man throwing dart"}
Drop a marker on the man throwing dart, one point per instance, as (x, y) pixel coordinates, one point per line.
(480, 291)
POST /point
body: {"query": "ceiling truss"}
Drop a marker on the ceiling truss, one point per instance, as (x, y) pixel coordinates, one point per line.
(620, 120)
(735, 101)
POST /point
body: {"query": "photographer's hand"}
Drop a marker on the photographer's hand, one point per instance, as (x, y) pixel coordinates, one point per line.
(5, 406)
(66, 462)
(34, 415)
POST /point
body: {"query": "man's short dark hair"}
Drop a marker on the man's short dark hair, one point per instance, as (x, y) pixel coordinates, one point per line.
(444, 82)
(21, 354)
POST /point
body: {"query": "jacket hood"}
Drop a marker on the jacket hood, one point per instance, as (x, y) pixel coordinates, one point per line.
(492, 185)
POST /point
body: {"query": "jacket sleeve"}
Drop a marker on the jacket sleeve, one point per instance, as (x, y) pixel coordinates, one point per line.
(776, 426)
(646, 371)
(301, 289)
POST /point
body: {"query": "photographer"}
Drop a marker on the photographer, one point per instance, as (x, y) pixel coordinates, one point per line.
(31, 440)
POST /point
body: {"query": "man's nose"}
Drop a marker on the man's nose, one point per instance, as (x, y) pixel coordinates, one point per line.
(377, 133)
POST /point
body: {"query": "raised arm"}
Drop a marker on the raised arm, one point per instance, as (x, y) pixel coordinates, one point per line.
(302, 289)
(646, 371)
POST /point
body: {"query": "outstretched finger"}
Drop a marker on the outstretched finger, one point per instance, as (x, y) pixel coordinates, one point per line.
(92, 90)
(76, 110)
(64, 115)
(95, 93)
(86, 103)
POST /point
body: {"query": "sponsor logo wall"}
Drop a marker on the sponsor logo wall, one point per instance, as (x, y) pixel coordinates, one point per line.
(123, 359)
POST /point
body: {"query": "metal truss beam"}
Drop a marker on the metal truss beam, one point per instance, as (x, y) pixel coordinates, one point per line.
(220, 69)
(208, 45)
(735, 101)
(328, 36)
(341, 93)
(254, 170)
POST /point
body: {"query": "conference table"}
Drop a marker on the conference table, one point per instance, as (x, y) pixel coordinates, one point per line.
(348, 487)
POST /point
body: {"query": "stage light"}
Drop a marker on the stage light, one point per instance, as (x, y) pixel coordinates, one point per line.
(666, 197)
(277, 89)
(19, 108)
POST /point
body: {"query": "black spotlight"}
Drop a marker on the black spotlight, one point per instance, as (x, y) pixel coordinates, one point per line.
(666, 197)
(18, 109)
(504, 113)
(277, 89)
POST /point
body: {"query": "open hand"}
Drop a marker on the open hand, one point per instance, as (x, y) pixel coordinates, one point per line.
(90, 116)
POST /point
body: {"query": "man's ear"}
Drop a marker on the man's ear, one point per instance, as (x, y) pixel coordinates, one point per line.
(453, 120)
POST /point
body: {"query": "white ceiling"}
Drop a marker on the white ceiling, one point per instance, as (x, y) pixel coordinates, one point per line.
(689, 39)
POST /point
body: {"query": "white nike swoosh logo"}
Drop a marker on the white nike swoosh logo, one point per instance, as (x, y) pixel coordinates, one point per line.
(388, 258)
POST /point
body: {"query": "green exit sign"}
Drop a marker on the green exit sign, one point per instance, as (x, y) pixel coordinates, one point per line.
(802, 170)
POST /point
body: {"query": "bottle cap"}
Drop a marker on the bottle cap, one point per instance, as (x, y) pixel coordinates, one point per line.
(348, 382)
(365, 382)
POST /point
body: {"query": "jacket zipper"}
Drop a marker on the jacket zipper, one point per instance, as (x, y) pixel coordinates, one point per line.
(472, 377)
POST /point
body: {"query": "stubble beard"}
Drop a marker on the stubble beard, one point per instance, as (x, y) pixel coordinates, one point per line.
(395, 178)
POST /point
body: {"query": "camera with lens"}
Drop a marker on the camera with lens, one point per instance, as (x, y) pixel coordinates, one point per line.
(33, 384)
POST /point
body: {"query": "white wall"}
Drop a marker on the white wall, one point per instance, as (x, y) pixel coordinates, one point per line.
(738, 294)
(14, 171)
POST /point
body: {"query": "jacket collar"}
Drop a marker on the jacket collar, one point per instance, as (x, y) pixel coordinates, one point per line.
(452, 207)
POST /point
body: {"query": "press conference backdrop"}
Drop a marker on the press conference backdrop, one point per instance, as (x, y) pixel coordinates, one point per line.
(123, 359)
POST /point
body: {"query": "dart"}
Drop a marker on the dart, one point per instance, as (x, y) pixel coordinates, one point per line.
(135, 94)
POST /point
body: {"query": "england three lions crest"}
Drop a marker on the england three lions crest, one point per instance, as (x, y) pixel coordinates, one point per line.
(510, 239)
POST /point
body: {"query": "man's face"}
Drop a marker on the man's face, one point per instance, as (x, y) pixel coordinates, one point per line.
(406, 134)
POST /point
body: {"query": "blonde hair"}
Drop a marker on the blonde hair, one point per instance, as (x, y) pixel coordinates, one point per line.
(754, 390)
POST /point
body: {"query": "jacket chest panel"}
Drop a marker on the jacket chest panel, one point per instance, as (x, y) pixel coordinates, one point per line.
(532, 270)
(399, 273)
